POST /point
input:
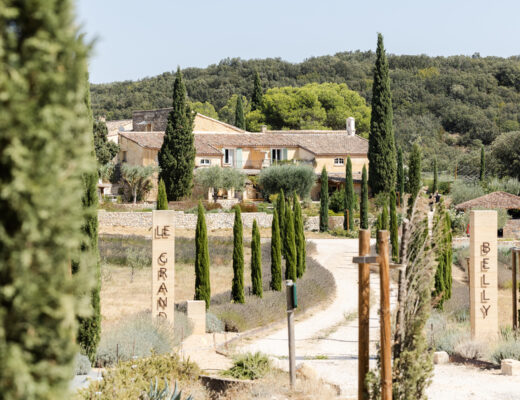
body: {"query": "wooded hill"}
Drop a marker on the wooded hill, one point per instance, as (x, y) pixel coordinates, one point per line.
(442, 102)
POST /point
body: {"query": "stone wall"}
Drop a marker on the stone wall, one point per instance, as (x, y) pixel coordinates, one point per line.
(313, 223)
(158, 119)
(512, 229)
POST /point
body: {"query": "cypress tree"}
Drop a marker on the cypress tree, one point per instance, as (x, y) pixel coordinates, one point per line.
(299, 238)
(414, 173)
(443, 278)
(363, 214)
(237, 287)
(400, 174)
(349, 197)
(324, 201)
(46, 150)
(384, 217)
(240, 121)
(381, 147)
(280, 205)
(435, 177)
(394, 230)
(162, 199)
(291, 257)
(256, 98)
(482, 164)
(276, 254)
(256, 262)
(202, 282)
(177, 153)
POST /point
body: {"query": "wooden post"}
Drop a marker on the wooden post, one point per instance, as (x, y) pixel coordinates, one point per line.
(348, 220)
(363, 314)
(290, 330)
(514, 253)
(386, 331)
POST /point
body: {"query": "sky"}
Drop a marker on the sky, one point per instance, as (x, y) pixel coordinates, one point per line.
(134, 39)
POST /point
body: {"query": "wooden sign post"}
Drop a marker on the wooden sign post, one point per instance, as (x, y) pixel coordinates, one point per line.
(163, 265)
(363, 314)
(483, 284)
(515, 252)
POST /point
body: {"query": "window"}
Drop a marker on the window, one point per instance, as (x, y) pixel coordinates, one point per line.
(278, 154)
(228, 156)
(205, 161)
(339, 161)
(124, 156)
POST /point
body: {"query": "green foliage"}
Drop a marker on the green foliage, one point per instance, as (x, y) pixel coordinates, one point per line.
(280, 207)
(462, 191)
(400, 173)
(381, 144)
(276, 254)
(291, 257)
(289, 178)
(228, 112)
(503, 158)
(256, 261)
(162, 200)
(507, 349)
(299, 237)
(138, 179)
(156, 393)
(177, 153)
(349, 197)
(205, 108)
(237, 288)
(314, 106)
(105, 150)
(444, 256)
(394, 230)
(202, 282)
(83, 365)
(214, 324)
(220, 178)
(482, 174)
(363, 208)
(249, 366)
(508, 185)
(414, 172)
(258, 93)
(337, 201)
(240, 121)
(46, 156)
(435, 186)
(324, 201)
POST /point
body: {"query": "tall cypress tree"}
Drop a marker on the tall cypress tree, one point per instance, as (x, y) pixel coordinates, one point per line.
(363, 208)
(276, 254)
(299, 238)
(256, 98)
(414, 172)
(349, 197)
(384, 217)
(394, 230)
(324, 201)
(291, 257)
(45, 152)
(280, 205)
(400, 174)
(435, 177)
(381, 147)
(237, 287)
(482, 164)
(256, 261)
(177, 154)
(162, 199)
(240, 121)
(202, 281)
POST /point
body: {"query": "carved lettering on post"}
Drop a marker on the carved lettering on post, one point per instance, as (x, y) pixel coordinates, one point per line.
(163, 264)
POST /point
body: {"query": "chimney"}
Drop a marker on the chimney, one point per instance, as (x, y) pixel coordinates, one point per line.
(351, 126)
(264, 128)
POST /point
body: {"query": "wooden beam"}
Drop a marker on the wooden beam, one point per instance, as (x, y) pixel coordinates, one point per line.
(386, 331)
(514, 252)
(365, 259)
(363, 314)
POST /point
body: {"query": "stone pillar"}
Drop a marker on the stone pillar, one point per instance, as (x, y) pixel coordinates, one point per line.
(197, 315)
(163, 264)
(483, 285)
(210, 195)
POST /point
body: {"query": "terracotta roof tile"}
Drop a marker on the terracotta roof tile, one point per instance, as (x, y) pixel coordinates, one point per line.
(493, 200)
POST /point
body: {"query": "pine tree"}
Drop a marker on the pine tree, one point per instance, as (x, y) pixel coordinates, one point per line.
(162, 199)
(240, 121)
(324, 201)
(363, 208)
(435, 177)
(290, 244)
(381, 147)
(349, 197)
(400, 174)
(46, 150)
(299, 237)
(482, 164)
(256, 99)
(276, 254)
(256, 261)
(202, 282)
(394, 230)
(280, 205)
(237, 288)
(414, 173)
(177, 154)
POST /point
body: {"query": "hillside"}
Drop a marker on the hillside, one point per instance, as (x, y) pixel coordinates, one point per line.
(444, 102)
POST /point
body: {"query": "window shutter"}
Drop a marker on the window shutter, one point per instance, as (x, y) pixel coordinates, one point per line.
(239, 158)
(284, 156)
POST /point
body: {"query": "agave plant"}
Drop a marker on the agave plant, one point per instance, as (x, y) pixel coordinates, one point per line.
(155, 393)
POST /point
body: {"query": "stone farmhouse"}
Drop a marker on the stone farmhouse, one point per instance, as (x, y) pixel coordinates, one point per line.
(227, 146)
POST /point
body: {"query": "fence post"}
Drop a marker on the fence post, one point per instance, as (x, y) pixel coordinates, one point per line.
(290, 328)
(363, 314)
(386, 331)
(514, 254)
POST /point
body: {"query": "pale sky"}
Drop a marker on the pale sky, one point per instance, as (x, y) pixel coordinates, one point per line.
(139, 38)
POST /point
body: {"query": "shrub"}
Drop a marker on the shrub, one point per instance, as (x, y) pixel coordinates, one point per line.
(83, 366)
(337, 201)
(289, 178)
(212, 206)
(462, 191)
(506, 349)
(156, 392)
(249, 366)
(213, 323)
(248, 207)
(137, 259)
(139, 336)
(471, 349)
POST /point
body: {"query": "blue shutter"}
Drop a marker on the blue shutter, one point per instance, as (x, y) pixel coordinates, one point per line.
(239, 158)
(284, 155)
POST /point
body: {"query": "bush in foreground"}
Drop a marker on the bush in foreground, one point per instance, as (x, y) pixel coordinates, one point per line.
(249, 366)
